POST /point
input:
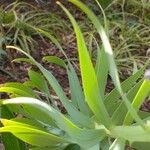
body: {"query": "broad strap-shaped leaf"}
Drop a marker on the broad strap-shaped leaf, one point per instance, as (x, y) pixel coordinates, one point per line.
(76, 115)
(10, 141)
(126, 86)
(132, 133)
(77, 95)
(138, 100)
(33, 106)
(120, 111)
(84, 137)
(101, 70)
(36, 78)
(30, 134)
(38, 109)
(18, 89)
(89, 80)
(110, 58)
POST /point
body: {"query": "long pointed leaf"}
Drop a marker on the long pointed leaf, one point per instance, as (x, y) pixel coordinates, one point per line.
(30, 134)
(90, 84)
(110, 57)
(79, 117)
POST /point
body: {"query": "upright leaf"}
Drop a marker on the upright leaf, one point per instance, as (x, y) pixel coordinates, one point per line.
(79, 117)
(77, 95)
(110, 58)
(89, 80)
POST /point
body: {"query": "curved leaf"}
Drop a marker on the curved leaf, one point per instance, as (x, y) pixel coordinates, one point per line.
(90, 84)
(30, 134)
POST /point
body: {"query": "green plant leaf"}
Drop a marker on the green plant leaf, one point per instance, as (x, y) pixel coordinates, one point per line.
(55, 60)
(9, 17)
(138, 100)
(36, 79)
(47, 148)
(22, 59)
(90, 84)
(18, 89)
(84, 137)
(141, 145)
(132, 133)
(120, 112)
(10, 141)
(33, 108)
(35, 136)
(118, 144)
(105, 3)
(101, 70)
(126, 85)
(72, 147)
(79, 117)
(110, 58)
(77, 95)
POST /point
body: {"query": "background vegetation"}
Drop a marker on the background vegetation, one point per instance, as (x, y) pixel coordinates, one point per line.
(72, 75)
